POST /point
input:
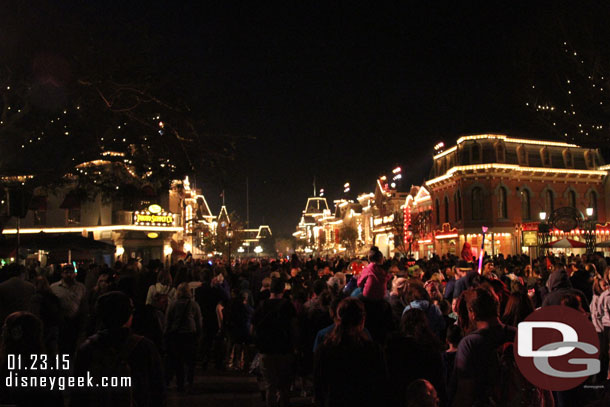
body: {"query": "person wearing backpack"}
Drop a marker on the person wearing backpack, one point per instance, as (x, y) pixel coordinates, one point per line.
(162, 293)
(114, 351)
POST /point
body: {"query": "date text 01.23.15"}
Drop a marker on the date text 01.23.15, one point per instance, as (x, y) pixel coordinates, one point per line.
(39, 362)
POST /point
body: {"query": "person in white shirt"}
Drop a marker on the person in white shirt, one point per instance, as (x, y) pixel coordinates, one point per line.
(73, 302)
(162, 293)
(600, 316)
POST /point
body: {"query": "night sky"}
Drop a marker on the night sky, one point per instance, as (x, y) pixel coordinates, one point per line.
(342, 93)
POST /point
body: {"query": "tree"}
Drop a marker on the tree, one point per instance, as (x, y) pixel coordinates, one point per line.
(100, 87)
(569, 85)
(348, 235)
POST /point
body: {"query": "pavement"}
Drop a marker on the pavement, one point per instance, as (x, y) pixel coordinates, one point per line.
(226, 389)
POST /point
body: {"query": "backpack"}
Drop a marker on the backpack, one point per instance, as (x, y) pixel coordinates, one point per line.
(161, 298)
(160, 301)
(113, 362)
(511, 388)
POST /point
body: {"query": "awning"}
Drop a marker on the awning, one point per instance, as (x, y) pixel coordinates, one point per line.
(51, 242)
(565, 243)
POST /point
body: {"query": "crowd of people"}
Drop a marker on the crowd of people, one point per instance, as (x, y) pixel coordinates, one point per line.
(360, 332)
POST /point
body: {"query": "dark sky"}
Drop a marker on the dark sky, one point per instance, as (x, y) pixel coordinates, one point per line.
(343, 93)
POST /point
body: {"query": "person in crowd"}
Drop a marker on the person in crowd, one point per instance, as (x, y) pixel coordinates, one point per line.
(349, 369)
(558, 285)
(209, 296)
(467, 278)
(416, 352)
(374, 279)
(398, 298)
(518, 307)
(419, 298)
(239, 329)
(162, 293)
(452, 340)
(421, 393)
(449, 287)
(275, 329)
(476, 363)
(582, 279)
(74, 311)
(183, 326)
(600, 287)
(113, 351)
(15, 293)
(104, 284)
(46, 306)
(23, 338)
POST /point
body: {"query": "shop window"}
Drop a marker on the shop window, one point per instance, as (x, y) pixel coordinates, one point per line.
(446, 210)
(525, 205)
(437, 208)
(458, 205)
(477, 203)
(572, 199)
(502, 204)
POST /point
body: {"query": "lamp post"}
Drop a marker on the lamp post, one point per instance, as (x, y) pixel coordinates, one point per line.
(229, 237)
(258, 250)
(589, 229)
(543, 231)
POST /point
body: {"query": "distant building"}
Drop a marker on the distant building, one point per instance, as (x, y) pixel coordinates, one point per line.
(504, 183)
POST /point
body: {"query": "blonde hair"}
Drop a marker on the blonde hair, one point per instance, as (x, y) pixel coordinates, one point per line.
(399, 286)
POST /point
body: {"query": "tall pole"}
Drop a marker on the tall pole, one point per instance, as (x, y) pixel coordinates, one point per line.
(247, 204)
(482, 250)
(18, 238)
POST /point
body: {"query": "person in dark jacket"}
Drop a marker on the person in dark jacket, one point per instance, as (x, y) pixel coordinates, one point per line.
(182, 329)
(114, 352)
(46, 306)
(22, 337)
(414, 354)
(349, 368)
(275, 327)
(558, 285)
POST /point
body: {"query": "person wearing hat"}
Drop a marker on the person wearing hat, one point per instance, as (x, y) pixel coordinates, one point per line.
(114, 351)
(466, 276)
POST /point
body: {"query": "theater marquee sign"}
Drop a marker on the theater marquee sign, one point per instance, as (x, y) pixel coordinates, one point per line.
(153, 216)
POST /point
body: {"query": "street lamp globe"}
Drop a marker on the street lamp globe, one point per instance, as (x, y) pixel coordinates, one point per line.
(542, 215)
(240, 250)
(589, 212)
(258, 250)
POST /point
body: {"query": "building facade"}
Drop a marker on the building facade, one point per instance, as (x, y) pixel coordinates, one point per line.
(504, 184)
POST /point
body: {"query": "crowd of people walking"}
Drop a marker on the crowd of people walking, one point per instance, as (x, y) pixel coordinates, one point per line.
(357, 332)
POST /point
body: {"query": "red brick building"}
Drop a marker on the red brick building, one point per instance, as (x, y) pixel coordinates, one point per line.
(504, 183)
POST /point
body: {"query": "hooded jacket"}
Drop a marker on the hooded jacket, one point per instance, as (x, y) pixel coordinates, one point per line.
(374, 280)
